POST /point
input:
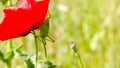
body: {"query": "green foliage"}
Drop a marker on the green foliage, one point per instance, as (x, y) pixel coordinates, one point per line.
(2, 57)
(47, 64)
(29, 63)
(27, 60)
(50, 64)
(4, 2)
(19, 49)
(9, 55)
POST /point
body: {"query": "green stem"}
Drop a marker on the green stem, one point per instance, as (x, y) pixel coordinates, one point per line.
(82, 65)
(75, 49)
(8, 65)
(11, 3)
(36, 46)
(9, 45)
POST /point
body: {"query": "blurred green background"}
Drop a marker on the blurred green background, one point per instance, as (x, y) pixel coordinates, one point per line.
(94, 25)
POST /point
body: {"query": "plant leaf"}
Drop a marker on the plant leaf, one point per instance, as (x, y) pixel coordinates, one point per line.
(9, 55)
(50, 64)
(19, 49)
(4, 1)
(29, 63)
(2, 57)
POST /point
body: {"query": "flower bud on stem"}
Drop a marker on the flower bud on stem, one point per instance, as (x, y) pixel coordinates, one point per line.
(74, 48)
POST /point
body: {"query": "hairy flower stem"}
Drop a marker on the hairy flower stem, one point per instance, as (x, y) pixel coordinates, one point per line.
(8, 63)
(10, 44)
(35, 37)
(82, 65)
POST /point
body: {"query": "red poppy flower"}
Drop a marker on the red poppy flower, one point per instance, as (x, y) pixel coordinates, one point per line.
(21, 18)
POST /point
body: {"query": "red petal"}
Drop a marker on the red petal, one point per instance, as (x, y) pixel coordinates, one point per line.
(20, 19)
